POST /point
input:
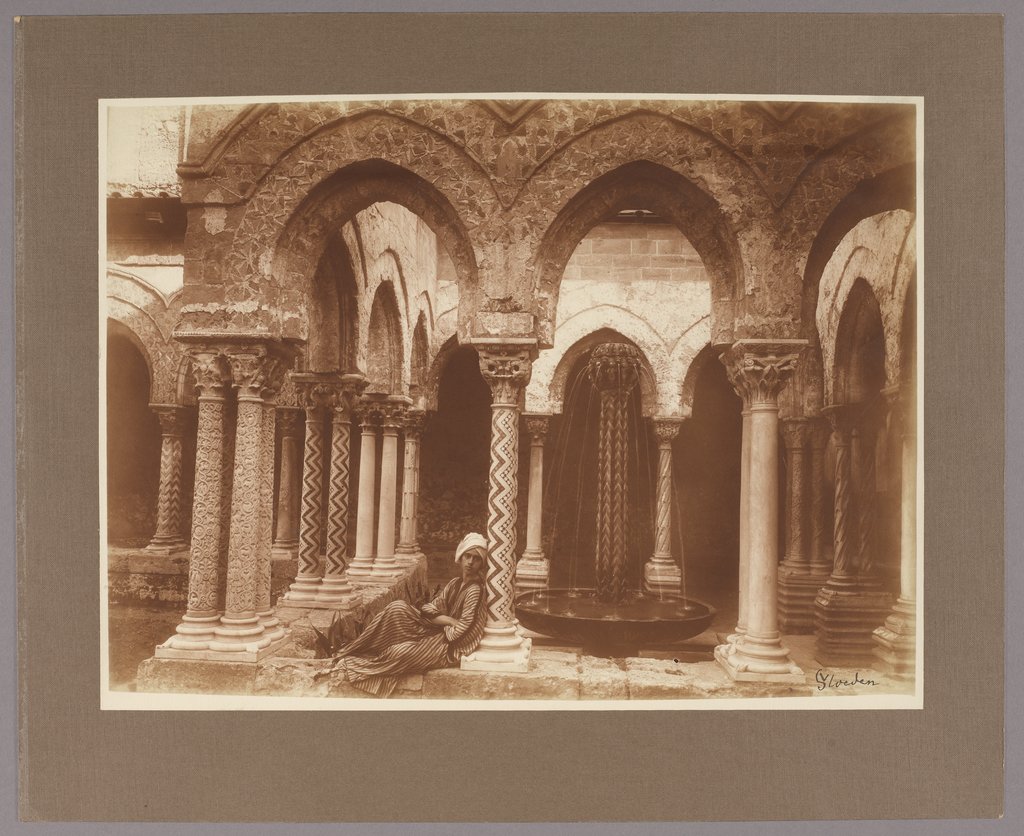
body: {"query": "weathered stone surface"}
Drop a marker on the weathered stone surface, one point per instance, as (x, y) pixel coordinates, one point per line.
(602, 679)
(198, 677)
(548, 680)
(283, 677)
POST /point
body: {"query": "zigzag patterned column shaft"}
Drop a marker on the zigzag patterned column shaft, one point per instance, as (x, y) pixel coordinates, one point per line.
(307, 581)
(502, 512)
(337, 508)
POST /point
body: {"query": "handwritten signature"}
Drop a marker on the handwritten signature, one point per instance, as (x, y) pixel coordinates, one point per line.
(830, 680)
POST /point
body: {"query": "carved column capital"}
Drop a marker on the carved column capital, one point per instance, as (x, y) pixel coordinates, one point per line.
(537, 426)
(415, 421)
(173, 418)
(666, 429)
(210, 369)
(506, 368)
(797, 433)
(290, 420)
(842, 418)
(392, 415)
(758, 369)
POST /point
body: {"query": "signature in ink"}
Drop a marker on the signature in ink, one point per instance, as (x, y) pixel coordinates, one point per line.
(830, 680)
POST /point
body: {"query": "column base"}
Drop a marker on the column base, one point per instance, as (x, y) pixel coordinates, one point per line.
(662, 576)
(797, 590)
(193, 633)
(758, 659)
(385, 570)
(501, 649)
(532, 573)
(251, 654)
(408, 558)
(272, 627)
(845, 618)
(896, 642)
(284, 551)
(360, 569)
(170, 546)
(302, 589)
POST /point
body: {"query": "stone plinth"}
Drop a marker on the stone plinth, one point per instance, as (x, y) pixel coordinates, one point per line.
(845, 621)
(195, 676)
(895, 642)
(797, 592)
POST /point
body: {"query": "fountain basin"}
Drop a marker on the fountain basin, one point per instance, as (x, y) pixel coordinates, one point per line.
(576, 616)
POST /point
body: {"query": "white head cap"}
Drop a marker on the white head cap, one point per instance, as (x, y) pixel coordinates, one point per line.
(470, 541)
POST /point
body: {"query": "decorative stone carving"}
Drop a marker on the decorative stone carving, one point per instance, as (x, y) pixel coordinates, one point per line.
(167, 538)
(408, 546)
(289, 494)
(506, 369)
(661, 574)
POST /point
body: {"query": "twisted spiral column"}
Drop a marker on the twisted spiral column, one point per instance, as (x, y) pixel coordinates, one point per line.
(797, 585)
(168, 537)
(821, 530)
(661, 574)
(195, 632)
(760, 369)
(506, 369)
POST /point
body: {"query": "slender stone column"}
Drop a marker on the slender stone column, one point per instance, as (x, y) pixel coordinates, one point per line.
(361, 566)
(821, 501)
(533, 569)
(240, 629)
(385, 565)
(272, 627)
(195, 632)
(661, 574)
(289, 492)
(506, 367)
(797, 585)
(848, 608)
(408, 549)
(896, 640)
(744, 533)
(167, 538)
(761, 368)
(307, 582)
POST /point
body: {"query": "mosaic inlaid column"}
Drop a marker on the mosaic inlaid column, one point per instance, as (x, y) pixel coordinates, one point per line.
(846, 609)
(335, 590)
(506, 368)
(385, 565)
(307, 582)
(797, 585)
(272, 627)
(534, 568)
(240, 629)
(289, 490)
(408, 549)
(761, 368)
(661, 572)
(167, 538)
(195, 632)
(896, 640)
(361, 566)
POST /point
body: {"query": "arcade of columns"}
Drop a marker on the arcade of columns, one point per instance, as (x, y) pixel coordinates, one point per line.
(826, 581)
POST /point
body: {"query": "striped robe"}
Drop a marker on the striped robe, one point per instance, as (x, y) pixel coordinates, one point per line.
(400, 639)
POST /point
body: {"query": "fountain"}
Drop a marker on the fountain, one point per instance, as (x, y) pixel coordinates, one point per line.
(612, 619)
